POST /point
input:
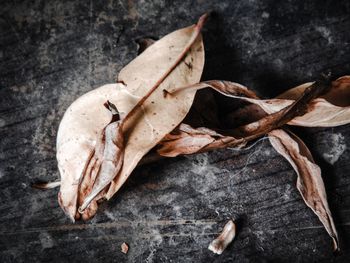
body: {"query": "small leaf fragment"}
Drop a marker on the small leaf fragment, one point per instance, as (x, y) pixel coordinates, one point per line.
(124, 248)
(219, 244)
(309, 182)
(45, 186)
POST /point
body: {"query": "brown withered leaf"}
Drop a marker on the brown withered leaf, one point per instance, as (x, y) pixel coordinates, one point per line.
(333, 106)
(309, 182)
(105, 163)
(186, 140)
(338, 95)
(269, 122)
(283, 116)
(201, 140)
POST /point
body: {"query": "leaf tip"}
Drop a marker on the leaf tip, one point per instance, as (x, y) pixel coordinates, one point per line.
(202, 20)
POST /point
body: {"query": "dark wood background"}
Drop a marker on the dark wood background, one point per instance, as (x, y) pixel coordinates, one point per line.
(51, 52)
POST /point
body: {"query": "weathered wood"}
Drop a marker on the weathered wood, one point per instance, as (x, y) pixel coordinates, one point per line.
(52, 52)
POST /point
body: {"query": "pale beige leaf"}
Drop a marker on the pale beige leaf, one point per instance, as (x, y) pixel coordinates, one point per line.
(309, 181)
(77, 135)
(198, 131)
(87, 117)
(321, 113)
(166, 57)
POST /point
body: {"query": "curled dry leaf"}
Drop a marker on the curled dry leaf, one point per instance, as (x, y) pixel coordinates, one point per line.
(309, 182)
(339, 94)
(97, 149)
(219, 244)
(188, 140)
(175, 60)
(333, 106)
(286, 114)
(182, 142)
(105, 163)
(192, 141)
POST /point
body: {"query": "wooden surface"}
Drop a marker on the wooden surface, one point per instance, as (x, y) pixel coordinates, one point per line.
(52, 52)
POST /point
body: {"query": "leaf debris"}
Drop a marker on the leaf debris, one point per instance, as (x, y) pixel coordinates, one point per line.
(219, 244)
(124, 248)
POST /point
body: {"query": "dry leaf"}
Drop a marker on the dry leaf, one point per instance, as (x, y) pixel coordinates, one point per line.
(309, 182)
(219, 244)
(97, 152)
(77, 136)
(334, 106)
(269, 122)
(339, 95)
(186, 140)
(283, 116)
(175, 60)
(105, 163)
